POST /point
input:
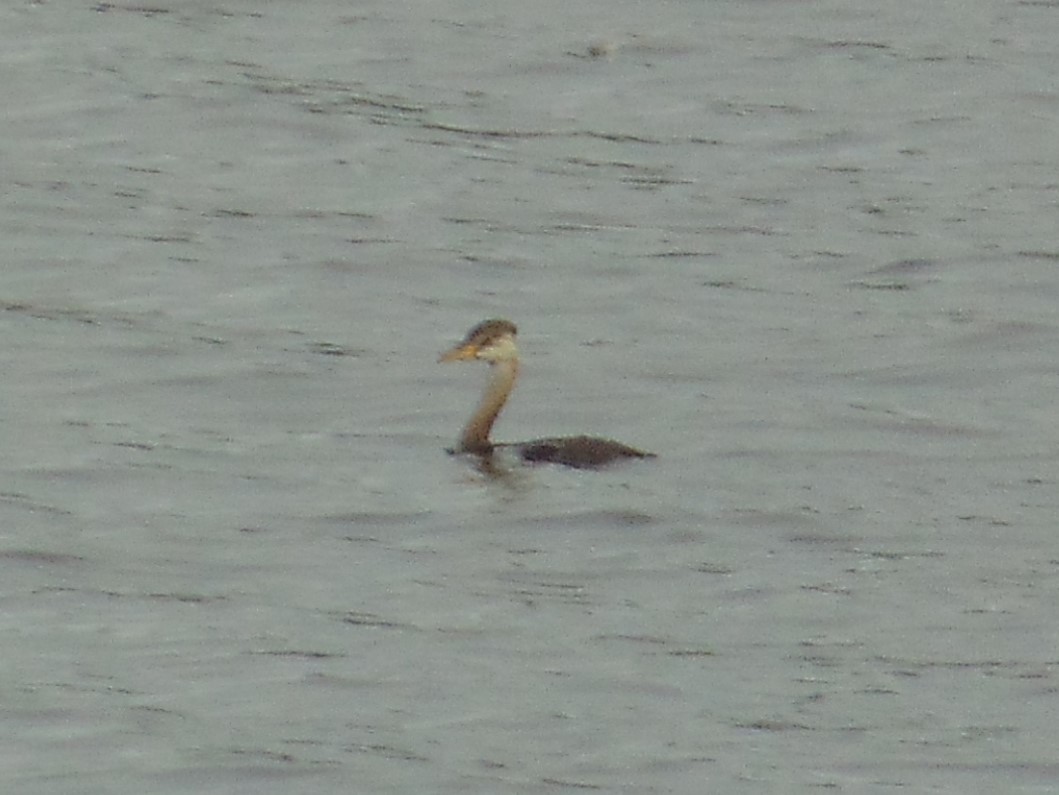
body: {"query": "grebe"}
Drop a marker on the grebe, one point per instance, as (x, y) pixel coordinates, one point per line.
(493, 341)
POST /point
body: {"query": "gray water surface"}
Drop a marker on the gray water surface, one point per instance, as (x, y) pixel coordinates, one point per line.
(806, 252)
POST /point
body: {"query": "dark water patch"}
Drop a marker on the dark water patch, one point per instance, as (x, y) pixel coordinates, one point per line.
(599, 49)
(712, 568)
(584, 227)
(637, 175)
(38, 557)
(503, 134)
(907, 266)
(81, 316)
(830, 644)
(1013, 669)
(686, 535)
(372, 620)
(681, 254)
(228, 212)
(897, 276)
(752, 517)
(345, 94)
(766, 725)
(733, 284)
(320, 215)
(741, 109)
(145, 446)
(186, 237)
(178, 597)
(1006, 334)
(300, 654)
(492, 262)
(615, 137)
(368, 241)
(533, 589)
(828, 588)
(819, 661)
(591, 165)
(689, 652)
(652, 183)
(990, 521)
(897, 555)
(653, 640)
(569, 784)
(324, 679)
(184, 598)
(946, 120)
(844, 44)
(131, 193)
(23, 501)
(891, 286)
(374, 520)
(143, 10)
(824, 540)
(390, 752)
(829, 254)
(606, 518)
(1041, 673)
(333, 349)
(1045, 255)
(746, 229)
(894, 420)
(488, 225)
(764, 201)
(334, 97)
(265, 755)
(393, 105)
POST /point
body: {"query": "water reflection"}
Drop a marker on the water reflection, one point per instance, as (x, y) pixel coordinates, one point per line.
(495, 466)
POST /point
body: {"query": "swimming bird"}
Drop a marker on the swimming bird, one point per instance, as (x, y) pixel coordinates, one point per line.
(493, 341)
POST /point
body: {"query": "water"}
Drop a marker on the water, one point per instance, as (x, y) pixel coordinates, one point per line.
(805, 252)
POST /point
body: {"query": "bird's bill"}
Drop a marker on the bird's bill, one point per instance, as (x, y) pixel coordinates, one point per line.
(460, 353)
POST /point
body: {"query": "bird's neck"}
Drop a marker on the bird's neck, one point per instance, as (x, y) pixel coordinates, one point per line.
(475, 438)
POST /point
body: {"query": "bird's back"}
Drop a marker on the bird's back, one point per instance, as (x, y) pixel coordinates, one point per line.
(580, 452)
